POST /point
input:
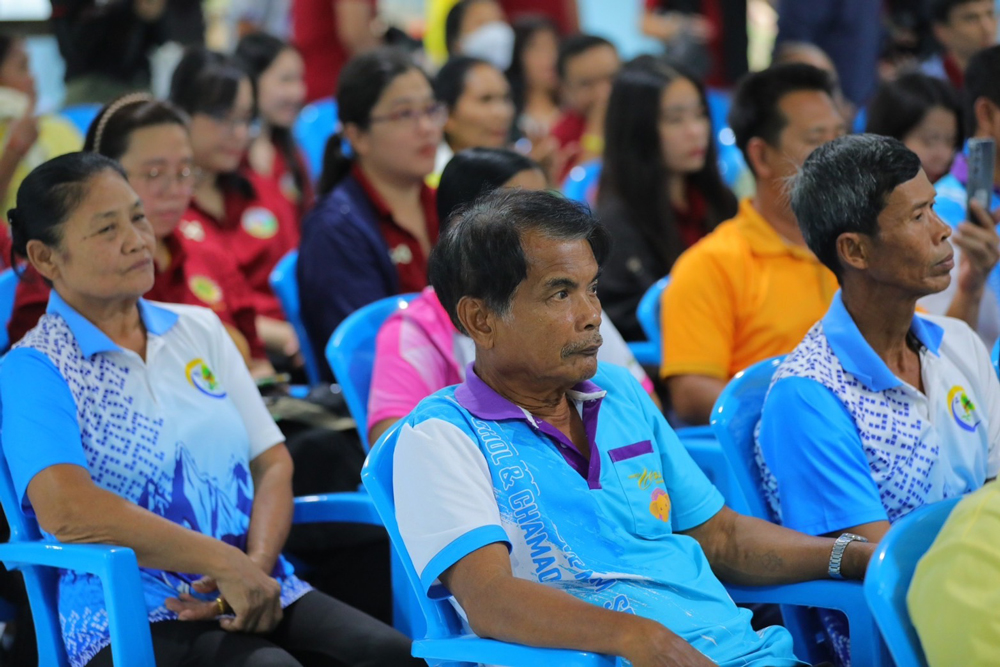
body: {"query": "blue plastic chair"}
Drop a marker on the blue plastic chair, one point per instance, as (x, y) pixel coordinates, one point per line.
(890, 572)
(81, 115)
(351, 355)
(315, 124)
(285, 285)
(8, 290)
(648, 314)
(581, 183)
(995, 355)
(734, 419)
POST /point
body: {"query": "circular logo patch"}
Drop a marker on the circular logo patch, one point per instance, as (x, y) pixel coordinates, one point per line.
(259, 222)
(205, 289)
(201, 377)
(963, 411)
(192, 230)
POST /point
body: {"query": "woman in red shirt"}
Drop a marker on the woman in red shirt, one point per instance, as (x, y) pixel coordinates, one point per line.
(234, 209)
(277, 72)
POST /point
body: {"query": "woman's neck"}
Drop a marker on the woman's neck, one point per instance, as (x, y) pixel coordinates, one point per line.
(538, 103)
(118, 319)
(162, 256)
(677, 191)
(398, 193)
(209, 196)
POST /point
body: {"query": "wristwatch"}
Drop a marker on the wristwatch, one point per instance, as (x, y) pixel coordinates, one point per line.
(837, 555)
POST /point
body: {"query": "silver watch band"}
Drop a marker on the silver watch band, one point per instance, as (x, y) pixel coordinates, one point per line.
(837, 555)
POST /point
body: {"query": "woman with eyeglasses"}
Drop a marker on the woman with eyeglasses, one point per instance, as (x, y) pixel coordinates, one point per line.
(233, 208)
(375, 222)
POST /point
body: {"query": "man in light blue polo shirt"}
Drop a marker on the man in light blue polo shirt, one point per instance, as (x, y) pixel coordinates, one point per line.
(548, 494)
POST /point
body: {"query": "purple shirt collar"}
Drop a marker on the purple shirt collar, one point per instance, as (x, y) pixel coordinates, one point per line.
(485, 403)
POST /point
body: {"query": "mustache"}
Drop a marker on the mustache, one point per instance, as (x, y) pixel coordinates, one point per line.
(575, 348)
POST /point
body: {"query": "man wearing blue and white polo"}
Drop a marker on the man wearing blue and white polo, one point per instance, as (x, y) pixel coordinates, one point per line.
(548, 494)
(877, 411)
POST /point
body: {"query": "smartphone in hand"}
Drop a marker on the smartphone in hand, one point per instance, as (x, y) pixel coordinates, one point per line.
(982, 157)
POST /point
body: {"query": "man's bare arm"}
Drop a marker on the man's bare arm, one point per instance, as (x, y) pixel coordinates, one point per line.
(694, 396)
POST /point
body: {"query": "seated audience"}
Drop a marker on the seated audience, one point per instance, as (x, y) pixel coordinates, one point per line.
(554, 543)
(479, 29)
(953, 596)
(137, 424)
(480, 110)
(962, 28)
(26, 140)
(534, 85)
(372, 229)
(276, 73)
(751, 289)
(586, 67)
(660, 187)
(234, 209)
(877, 411)
(419, 350)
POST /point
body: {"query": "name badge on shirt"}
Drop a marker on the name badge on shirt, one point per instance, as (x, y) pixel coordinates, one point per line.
(259, 222)
(205, 289)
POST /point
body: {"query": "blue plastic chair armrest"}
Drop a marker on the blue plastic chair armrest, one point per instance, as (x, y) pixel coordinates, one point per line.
(346, 507)
(118, 571)
(645, 352)
(476, 650)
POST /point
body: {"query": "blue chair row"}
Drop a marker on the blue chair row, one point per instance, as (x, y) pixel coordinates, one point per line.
(81, 115)
(285, 285)
(315, 124)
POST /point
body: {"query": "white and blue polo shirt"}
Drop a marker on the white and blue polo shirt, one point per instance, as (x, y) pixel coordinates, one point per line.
(174, 434)
(471, 469)
(842, 441)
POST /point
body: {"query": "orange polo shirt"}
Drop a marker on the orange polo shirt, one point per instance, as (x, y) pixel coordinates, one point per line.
(738, 296)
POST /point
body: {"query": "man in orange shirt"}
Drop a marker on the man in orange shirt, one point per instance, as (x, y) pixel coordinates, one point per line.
(752, 289)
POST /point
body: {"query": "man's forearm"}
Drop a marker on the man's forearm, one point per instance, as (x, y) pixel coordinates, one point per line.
(273, 506)
(965, 306)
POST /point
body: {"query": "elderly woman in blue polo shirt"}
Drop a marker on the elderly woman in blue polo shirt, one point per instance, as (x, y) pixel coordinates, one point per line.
(137, 424)
(878, 410)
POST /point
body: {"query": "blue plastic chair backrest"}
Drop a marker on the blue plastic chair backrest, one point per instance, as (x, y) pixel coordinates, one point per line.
(995, 355)
(734, 419)
(351, 355)
(285, 285)
(315, 124)
(889, 574)
(581, 183)
(41, 583)
(8, 291)
(648, 311)
(81, 115)
(442, 620)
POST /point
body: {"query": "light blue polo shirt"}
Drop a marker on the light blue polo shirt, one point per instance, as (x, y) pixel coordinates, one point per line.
(472, 469)
(174, 434)
(842, 441)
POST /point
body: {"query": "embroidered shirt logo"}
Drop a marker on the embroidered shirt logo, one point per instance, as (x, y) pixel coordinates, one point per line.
(659, 505)
(203, 379)
(192, 230)
(962, 409)
(646, 478)
(401, 254)
(205, 289)
(259, 222)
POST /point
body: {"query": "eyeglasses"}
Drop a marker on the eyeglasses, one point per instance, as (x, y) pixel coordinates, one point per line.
(437, 113)
(158, 180)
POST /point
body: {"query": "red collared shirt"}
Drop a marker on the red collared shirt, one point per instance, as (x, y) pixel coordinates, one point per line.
(256, 232)
(281, 176)
(404, 248)
(200, 274)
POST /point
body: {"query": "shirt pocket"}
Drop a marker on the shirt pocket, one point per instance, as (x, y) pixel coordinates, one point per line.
(640, 476)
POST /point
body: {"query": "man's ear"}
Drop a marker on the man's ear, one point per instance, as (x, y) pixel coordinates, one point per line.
(357, 137)
(478, 321)
(760, 155)
(986, 114)
(42, 257)
(854, 250)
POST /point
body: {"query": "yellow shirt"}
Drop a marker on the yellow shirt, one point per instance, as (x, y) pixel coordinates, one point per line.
(738, 296)
(434, 44)
(954, 598)
(56, 136)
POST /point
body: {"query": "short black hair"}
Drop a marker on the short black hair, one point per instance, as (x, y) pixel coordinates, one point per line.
(900, 105)
(844, 186)
(474, 172)
(755, 111)
(574, 45)
(449, 84)
(940, 10)
(206, 82)
(453, 22)
(982, 79)
(481, 256)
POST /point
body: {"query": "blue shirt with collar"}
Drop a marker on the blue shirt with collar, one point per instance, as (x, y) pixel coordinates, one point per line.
(842, 441)
(173, 432)
(473, 469)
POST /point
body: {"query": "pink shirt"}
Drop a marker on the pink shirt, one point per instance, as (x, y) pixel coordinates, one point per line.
(419, 351)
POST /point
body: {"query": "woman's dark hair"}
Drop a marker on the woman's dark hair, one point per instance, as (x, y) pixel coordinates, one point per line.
(453, 22)
(257, 52)
(359, 88)
(634, 173)
(474, 172)
(47, 197)
(525, 30)
(900, 105)
(207, 82)
(112, 128)
(7, 41)
(449, 84)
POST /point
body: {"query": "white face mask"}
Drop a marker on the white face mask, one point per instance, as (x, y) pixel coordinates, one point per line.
(493, 42)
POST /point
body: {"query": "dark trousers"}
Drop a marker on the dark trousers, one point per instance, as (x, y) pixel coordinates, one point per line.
(315, 630)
